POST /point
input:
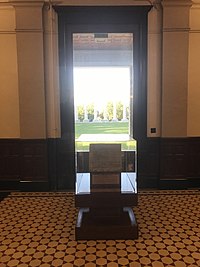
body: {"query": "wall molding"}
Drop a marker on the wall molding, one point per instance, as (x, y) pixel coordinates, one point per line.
(176, 30)
(7, 32)
(29, 30)
(194, 31)
(176, 3)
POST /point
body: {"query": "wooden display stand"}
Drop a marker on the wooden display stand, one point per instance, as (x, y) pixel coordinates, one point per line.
(105, 203)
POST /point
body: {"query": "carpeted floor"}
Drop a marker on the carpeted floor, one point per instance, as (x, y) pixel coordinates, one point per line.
(3, 194)
(37, 229)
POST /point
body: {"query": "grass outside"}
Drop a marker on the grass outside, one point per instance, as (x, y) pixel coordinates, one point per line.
(103, 128)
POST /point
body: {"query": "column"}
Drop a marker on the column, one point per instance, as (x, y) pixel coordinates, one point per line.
(85, 114)
(193, 127)
(51, 64)
(95, 113)
(114, 112)
(175, 51)
(76, 113)
(9, 86)
(105, 114)
(124, 112)
(30, 48)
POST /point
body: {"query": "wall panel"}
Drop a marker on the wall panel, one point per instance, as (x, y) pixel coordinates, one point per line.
(179, 163)
(9, 95)
(23, 164)
(10, 159)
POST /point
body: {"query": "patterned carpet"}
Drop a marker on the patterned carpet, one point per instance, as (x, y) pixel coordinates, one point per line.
(37, 229)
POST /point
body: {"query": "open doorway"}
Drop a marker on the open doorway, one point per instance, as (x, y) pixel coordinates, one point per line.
(103, 89)
(100, 21)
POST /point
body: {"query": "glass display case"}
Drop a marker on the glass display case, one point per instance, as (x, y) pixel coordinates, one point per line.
(106, 191)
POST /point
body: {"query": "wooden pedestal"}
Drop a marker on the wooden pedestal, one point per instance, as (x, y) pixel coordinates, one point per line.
(114, 226)
(105, 196)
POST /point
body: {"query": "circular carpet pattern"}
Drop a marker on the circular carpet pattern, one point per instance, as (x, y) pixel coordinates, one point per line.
(37, 229)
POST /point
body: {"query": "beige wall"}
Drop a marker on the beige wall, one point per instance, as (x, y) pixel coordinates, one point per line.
(29, 84)
(30, 56)
(193, 115)
(22, 91)
(175, 68)
(9, 96)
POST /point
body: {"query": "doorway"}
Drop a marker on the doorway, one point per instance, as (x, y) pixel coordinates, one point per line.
(103, 89)
(103, 24)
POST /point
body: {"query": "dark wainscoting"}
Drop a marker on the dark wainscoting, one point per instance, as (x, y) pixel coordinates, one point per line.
(61, 164)
(193, 161)
(169, 163)
(148, 162)
(33, 158)
(179, 162)
(23, 164)
(9, 163)
(38, 165)
(10, 156)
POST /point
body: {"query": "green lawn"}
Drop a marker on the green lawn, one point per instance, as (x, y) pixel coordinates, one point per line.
(103, 128)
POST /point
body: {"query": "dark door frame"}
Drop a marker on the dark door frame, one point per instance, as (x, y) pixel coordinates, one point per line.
(103, 19)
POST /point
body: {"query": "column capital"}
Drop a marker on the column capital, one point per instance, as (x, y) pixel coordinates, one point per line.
(196, 4)
(176, 3)
(22, 3)
(28, 15)
(25, 3)
(176, 14)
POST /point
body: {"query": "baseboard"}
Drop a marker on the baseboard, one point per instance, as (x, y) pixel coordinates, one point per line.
(193, 182)
(34, 186)
(173, 184)
(147, 182)
(9, 185)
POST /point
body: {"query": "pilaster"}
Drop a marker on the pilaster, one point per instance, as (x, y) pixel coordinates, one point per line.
(29, 34)
(175, 67)
(193, 128)
(51, 71)
(9, 95)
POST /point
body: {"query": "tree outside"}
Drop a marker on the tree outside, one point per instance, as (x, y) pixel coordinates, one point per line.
(100, 113)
